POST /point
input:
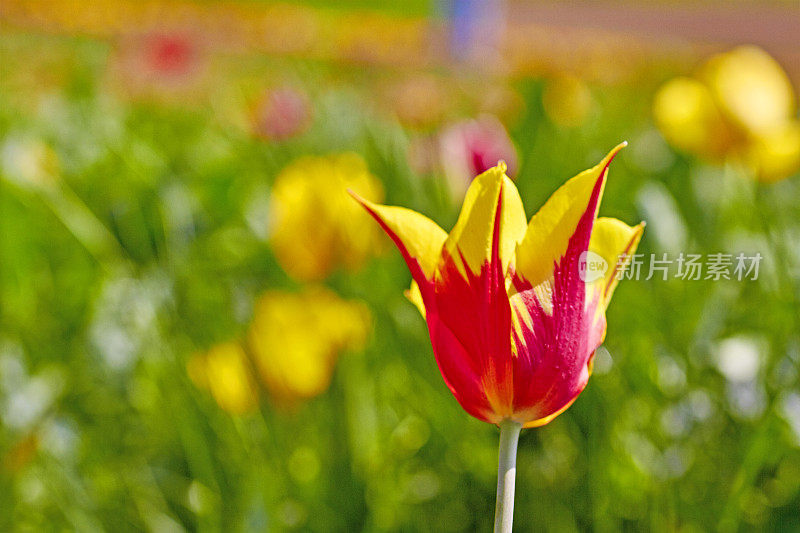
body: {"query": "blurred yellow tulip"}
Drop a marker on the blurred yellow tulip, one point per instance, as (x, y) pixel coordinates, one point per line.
(225, 372)
(751, 88)
(688, 117)
(776, 154)
(296, 338)
(740, 106)
(315, 225)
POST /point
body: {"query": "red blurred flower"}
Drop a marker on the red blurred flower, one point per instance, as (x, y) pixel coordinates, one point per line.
(160, 63)
(170, 55)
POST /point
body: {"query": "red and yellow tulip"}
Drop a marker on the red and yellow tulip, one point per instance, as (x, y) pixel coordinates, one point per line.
(513, 321)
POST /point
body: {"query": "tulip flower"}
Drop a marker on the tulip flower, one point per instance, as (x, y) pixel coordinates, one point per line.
(316, 228)
(515, 310)
(292, 346)
(740, 106)
(165, 66)
(225, 372)
(471, 147)
(296, 339)
(689, 120)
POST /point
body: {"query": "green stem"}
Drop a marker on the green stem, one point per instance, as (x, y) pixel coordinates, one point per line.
(506, 475)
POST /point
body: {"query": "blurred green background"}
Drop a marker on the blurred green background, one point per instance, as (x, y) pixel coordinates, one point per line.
(151, 379)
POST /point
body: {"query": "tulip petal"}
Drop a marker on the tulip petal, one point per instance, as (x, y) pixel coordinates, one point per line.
(549, 418)
(560, 320)
(472, 237)
(615, 242)
(552, 227)
(470, 303)
(414, 295)
(417, 237)
(462, 372)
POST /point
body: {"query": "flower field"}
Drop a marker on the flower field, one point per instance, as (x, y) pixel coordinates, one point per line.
(201, 330)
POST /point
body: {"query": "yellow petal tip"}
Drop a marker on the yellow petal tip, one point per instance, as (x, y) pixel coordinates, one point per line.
(614, 151)
(361, 200)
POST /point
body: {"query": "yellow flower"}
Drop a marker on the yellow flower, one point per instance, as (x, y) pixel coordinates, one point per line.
(225, 372)
(751, 88)
(688, 117)
(315, 225)
(741, 106)
(296, 338)
(776, 154)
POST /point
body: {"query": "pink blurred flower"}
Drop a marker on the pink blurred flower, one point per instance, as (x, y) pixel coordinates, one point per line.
(471, 147)
(281, 113)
